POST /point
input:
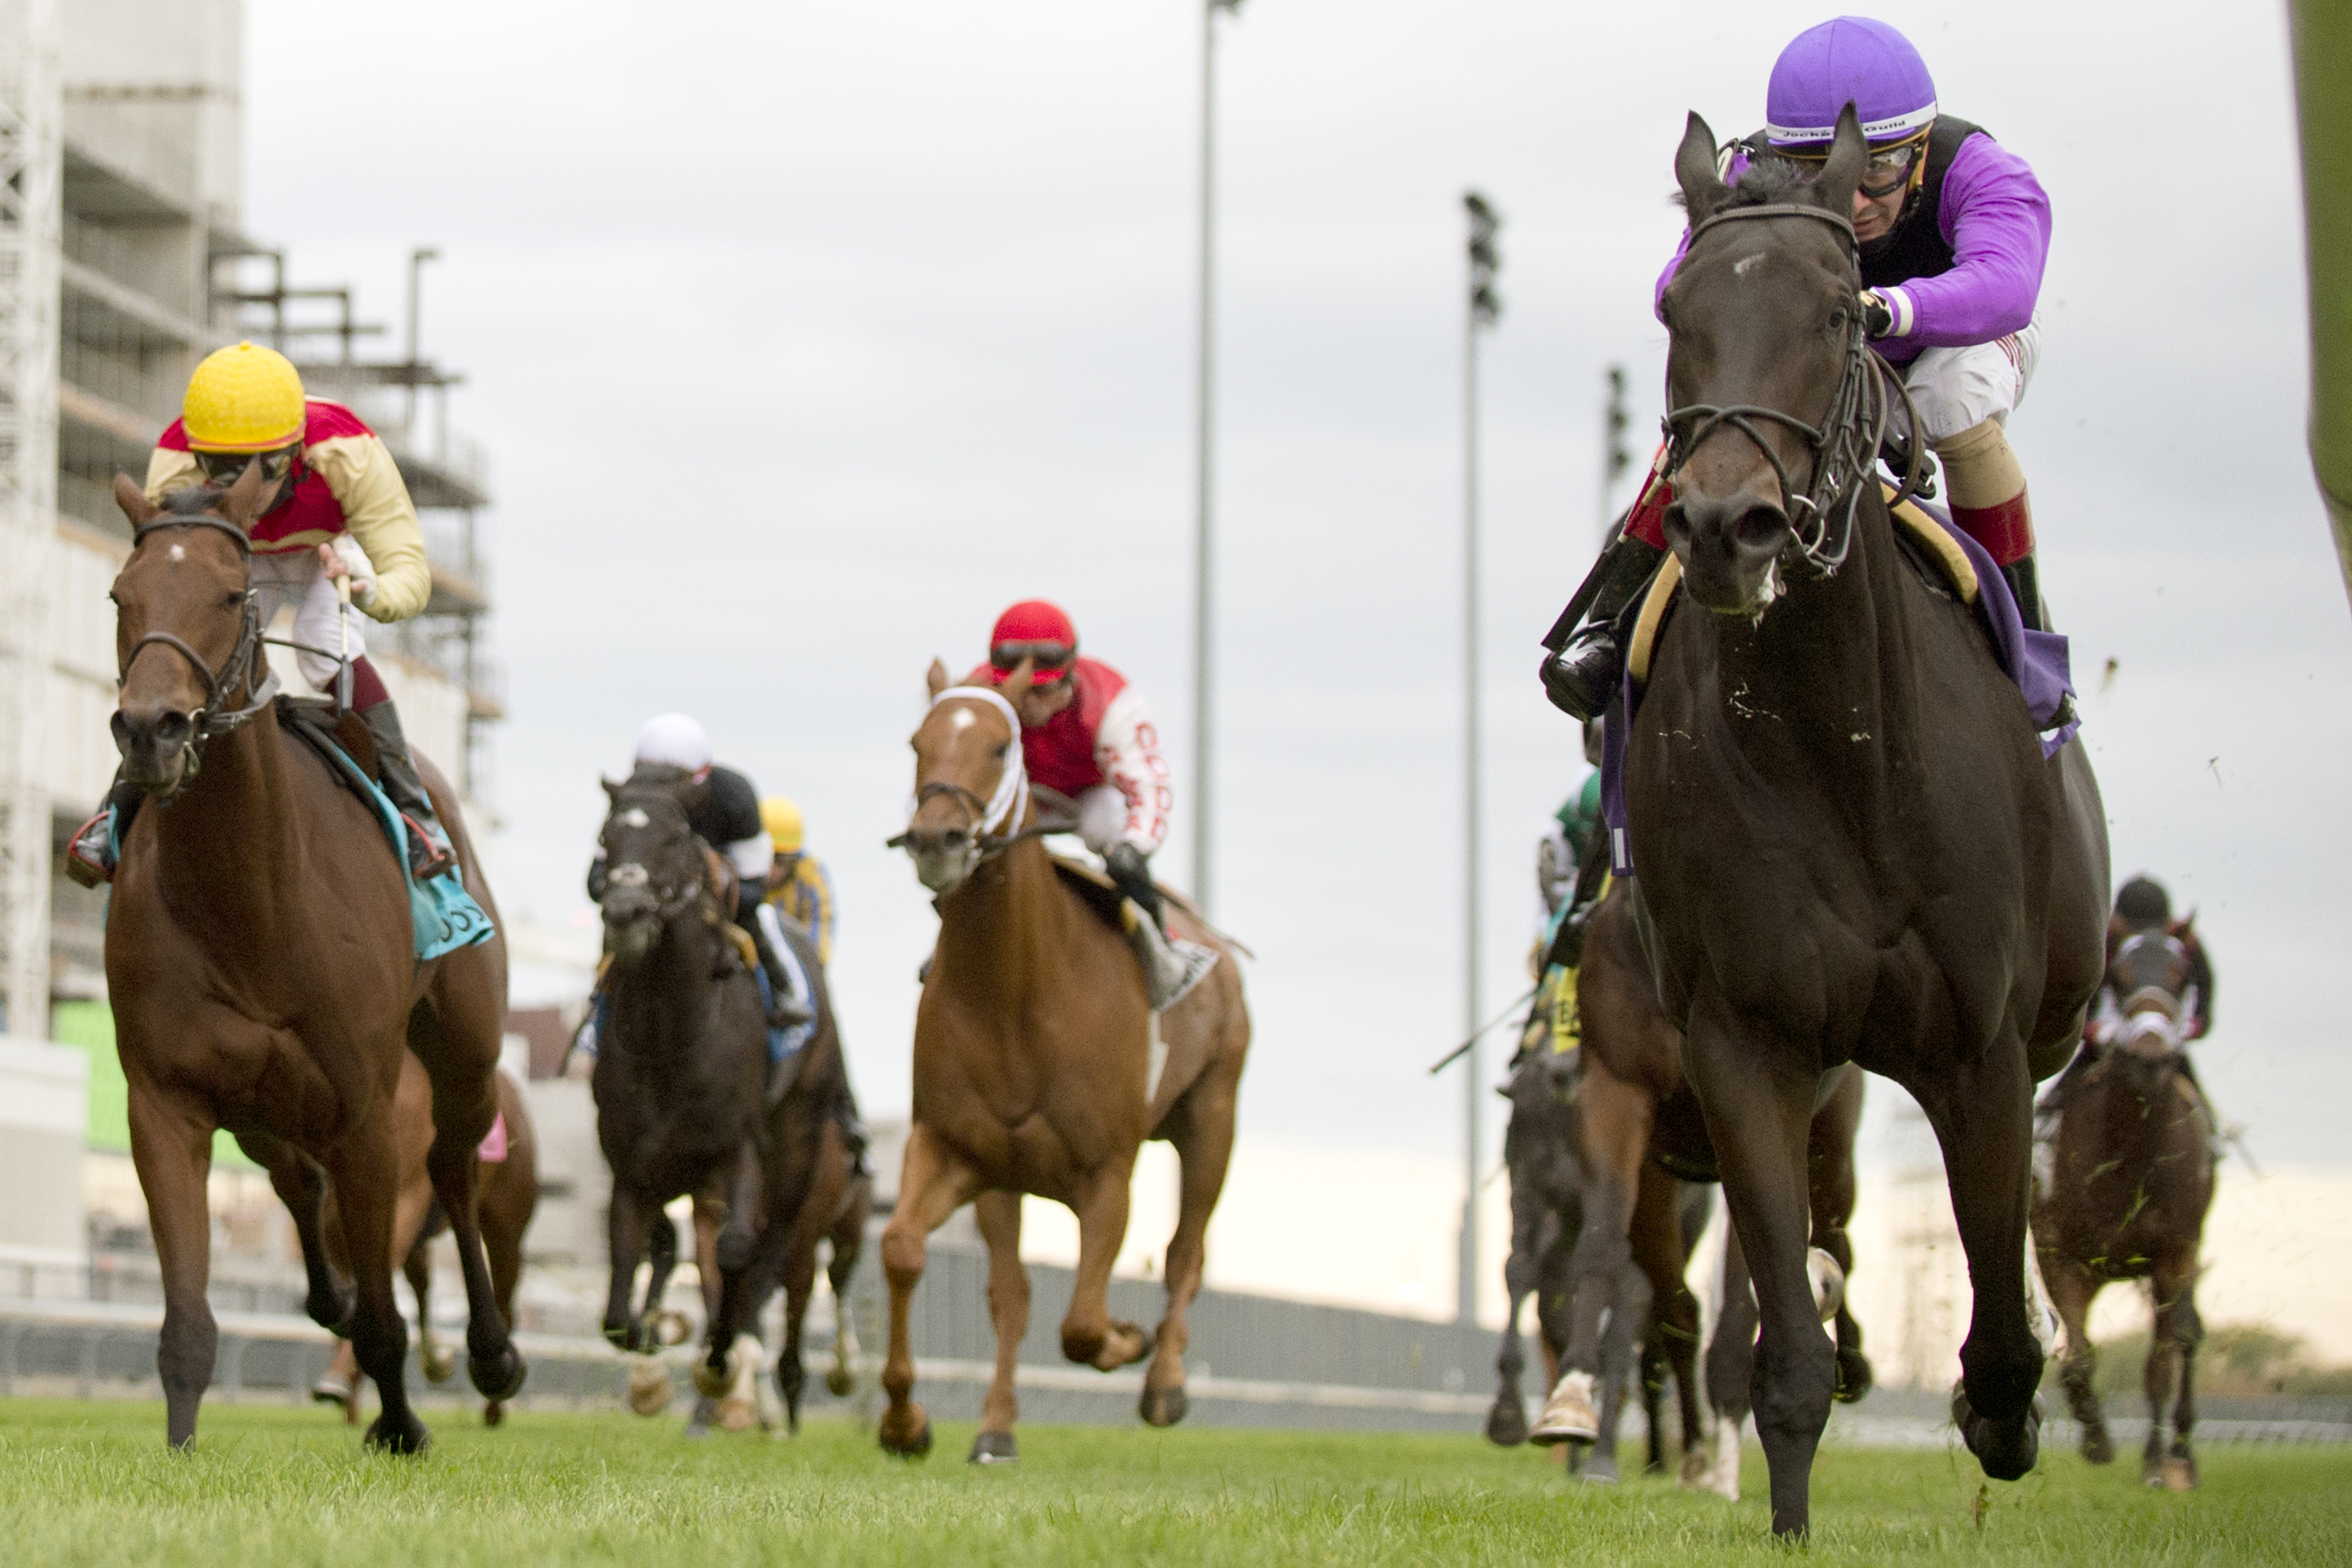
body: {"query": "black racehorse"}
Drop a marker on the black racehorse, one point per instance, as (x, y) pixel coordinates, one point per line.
(1850, 844)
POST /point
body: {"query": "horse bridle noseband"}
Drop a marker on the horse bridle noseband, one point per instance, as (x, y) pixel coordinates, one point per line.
(1846, 445)
(236, 672)
(990, 845)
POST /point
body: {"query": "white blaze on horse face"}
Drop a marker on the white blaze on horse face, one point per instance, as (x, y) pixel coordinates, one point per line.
(961, 719)
(179, 552)
(634, 818)
(1739, 269)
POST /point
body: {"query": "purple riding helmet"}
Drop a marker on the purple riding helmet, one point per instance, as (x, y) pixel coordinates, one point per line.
(1851, 59)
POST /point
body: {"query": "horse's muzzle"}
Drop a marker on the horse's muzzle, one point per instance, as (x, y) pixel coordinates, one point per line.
(943, 856)
(155, 744)
(1731, 550)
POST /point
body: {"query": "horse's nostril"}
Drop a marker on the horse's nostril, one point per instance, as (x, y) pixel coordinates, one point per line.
(954, 838)
(1761, 528)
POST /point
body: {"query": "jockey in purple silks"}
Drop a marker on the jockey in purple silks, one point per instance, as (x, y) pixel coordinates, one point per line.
(1954, 232)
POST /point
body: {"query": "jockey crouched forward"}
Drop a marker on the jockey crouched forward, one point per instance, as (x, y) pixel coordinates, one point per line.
(1092, 751)
(341, 510)
(2143, 912)
(723, 809)
(1954, 231)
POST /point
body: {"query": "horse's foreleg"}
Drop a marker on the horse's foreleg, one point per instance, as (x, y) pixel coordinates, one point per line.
(1758, 1094)
(2072, 1291)
(1730, 1369)
(1619, 1348)
(172, 1147)
(628, 1232)
(999, 1215)
(1089, 1336)
(2177, 1332)
(932, 1184)
(1982, 1110)
(366, 1172)
(1830, 1162)
(1662, 1253)
(725, 1234)
(439, 1362)
(1612, 1120)
(1203, 1134)
(848, 1243)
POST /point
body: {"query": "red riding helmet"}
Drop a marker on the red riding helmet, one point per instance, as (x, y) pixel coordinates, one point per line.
(1035, 630)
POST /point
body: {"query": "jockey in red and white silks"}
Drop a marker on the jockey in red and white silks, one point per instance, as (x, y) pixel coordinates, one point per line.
(1086, 735)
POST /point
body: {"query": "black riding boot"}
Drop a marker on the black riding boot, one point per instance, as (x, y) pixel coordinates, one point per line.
(1130, 868)
(429, 841)
(2025, 587)
(90, 858)
(1584, 674)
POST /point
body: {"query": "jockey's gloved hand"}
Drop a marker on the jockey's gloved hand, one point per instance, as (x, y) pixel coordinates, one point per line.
(1877, 316)
(596, 870)
(1130, 867)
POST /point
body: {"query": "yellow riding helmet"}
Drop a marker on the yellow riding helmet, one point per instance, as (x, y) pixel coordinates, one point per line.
(244, 399)
(782, 819)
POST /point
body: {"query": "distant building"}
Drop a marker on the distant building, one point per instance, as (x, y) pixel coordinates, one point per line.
(122, 262)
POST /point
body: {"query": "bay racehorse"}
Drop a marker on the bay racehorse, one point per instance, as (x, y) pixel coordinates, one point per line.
(260, 955)
(1850, 845)
(2129, 1178)
(1040, 1068)
(1645, 1138)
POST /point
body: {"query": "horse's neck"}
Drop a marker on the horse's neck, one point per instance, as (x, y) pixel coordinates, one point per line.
(1826, 668)
(669, 999)
(994, 930)
(234, 837)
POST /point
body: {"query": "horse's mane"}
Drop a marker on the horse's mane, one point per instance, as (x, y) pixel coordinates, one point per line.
(191, 501)
(1764, 181)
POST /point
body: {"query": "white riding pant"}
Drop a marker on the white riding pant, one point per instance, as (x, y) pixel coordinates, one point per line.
(1957, 389)
(294, 578)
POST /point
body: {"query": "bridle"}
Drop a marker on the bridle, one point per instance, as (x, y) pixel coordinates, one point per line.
(235, 673)
(1010, 803)
(668, 904)
(1846, 443)
(2155, 1008)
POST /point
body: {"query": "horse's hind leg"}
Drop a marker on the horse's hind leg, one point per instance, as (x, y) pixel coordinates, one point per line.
(1663, 1254)
(455, 1034)
(1613, 1120)
(1730, 1366)
(2178, 1330)
(301, 1187)
(1829, 1155)
(172, 1147)
(848, 1241)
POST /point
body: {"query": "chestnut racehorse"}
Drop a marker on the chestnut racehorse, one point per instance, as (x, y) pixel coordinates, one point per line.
(1039, 1068)
(261, 958)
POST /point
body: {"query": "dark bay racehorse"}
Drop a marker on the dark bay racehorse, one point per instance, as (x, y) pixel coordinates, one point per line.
(2130, 1180)
(1849, 845)
(1039, 1068)
(261, 959)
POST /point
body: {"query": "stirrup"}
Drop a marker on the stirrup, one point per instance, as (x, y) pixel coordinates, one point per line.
(90, 858)
(1581, 678)
(427, 856)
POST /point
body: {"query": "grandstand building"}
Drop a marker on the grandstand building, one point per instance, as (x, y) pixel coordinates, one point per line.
(123, 260)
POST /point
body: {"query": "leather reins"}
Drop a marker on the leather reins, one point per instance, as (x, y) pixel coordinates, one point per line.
(1846, 443)
(236, 672)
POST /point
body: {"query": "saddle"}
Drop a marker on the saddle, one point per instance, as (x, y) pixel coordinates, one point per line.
(1172, 967)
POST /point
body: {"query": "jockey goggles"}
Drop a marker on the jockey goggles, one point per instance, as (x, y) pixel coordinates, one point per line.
(1889, 169)
(224, 468)
(1045, 657)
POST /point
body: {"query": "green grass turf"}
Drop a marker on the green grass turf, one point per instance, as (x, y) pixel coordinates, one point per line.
(92, 1483)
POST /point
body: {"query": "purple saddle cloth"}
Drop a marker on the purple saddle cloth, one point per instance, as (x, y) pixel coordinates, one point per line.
(2036, 661)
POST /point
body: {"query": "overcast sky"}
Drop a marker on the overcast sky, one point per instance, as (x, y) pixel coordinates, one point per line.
(804, 337)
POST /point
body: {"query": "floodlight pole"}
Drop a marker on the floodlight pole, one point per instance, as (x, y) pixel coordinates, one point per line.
(1483, 306)
(1203, 478)
(416, 260)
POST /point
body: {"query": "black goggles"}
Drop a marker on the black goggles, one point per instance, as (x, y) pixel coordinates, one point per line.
(1043, 656)
(225, 468)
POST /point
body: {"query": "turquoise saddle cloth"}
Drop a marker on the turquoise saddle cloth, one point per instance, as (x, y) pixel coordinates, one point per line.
(445, 915)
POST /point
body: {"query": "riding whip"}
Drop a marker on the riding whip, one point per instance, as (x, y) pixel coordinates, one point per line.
(343, 625)
(1463, 1050)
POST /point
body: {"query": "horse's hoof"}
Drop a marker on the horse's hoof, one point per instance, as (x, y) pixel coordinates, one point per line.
(738, 1414)
(438, 1363)
(710, 1381)
(499, 1377)
(994, 1448)
(650, 1388)
(2006, 1450)
(1568, 1415)
(1164, 1406)
(404, 1437)
(668, 1327)
(698, 1424)
(2177, 1474)
(1854, 1376)
(1828, 1281)
(910, 1439)
(1600, 1472)
(1507, 1421)
(2099, 1448)
(494, 1413)
(332, 1389)
(840, 1383)
(1695, 1468)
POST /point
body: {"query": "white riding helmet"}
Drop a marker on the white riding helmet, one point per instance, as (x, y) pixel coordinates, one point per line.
(674, 739)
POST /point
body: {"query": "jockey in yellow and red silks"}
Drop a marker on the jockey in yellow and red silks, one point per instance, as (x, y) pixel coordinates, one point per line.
(341, 511)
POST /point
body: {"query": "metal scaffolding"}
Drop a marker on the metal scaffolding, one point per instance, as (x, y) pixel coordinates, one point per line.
(31, 185)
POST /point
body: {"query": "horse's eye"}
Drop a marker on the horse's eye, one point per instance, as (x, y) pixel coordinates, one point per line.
(1838, 320)
(231, 600)
(1001, 750)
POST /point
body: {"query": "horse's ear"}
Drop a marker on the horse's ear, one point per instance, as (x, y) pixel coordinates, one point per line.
(936, 677)
(243, 503)
(612, 790)
(2185, 928)
(135, 502)
(1834, 187)
(1703, 190)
